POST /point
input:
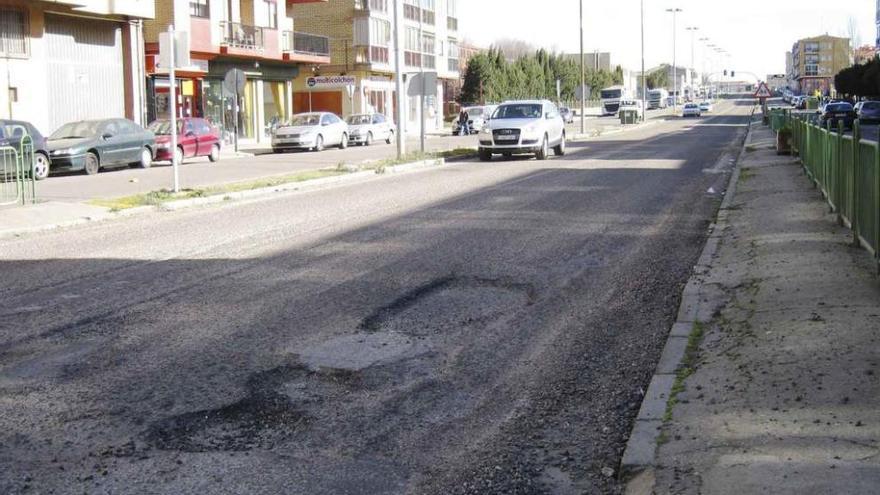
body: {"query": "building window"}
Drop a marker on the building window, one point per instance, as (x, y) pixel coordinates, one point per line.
(13, 33)
(200, 8)
(272, 13)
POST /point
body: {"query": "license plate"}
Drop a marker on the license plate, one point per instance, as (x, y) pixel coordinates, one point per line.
(505, 138)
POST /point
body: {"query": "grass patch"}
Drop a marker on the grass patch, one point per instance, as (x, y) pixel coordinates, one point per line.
(746, 174)
(457, 153)
(154, 198)
(686, 369)
(749, 148)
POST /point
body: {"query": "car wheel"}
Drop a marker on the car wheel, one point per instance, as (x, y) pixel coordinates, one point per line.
(369, 139)
(41, 166)
(485, 155)
(344, 143)
(390, 137)
(319, 143)
(559, 150)
(146, 158)
(544, 152)
(178, 155)
(214, 156)
(93, 164)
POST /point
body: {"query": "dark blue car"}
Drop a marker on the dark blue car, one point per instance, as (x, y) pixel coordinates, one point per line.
(11, 133)
(868, 112)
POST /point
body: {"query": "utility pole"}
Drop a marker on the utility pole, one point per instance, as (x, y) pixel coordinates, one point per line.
(644, 81)
(674, 66)
(172, 107)
(398, 82)
(583, 74)
(703, 62)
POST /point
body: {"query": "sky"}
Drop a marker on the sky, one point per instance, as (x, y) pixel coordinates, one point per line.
(756, 33)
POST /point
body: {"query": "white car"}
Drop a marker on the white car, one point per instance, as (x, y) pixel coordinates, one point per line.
(633, 105)
(691, 110)
(365, 128)
(523, 127)
(311, 131)
(706, 106)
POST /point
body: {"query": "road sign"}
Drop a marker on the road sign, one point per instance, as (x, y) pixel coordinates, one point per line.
(181, 50)
(234, 81)
(423, 84)
(763, 91)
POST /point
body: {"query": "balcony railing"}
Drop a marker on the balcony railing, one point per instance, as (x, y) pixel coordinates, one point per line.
(306, 44)
(371, 55)
(238, 35)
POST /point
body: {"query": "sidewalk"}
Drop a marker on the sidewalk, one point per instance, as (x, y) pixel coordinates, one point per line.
(784, 395)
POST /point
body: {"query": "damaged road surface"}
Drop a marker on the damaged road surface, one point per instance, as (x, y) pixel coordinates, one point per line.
(475, 328)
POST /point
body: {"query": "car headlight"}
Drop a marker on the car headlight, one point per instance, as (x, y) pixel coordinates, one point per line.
(65, 151)
(485, 131)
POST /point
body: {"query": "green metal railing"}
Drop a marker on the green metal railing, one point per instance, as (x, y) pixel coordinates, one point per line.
(847, 171)
(17, 179)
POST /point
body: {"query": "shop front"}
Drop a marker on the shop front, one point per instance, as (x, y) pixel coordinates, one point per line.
(345, 94)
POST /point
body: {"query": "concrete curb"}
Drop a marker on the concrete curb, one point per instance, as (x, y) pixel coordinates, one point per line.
(249, 195)
(641, 448)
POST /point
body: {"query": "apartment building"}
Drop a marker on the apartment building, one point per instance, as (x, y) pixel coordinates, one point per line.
(258, 37)
(67, 60)
(815, 61)
(360, 74)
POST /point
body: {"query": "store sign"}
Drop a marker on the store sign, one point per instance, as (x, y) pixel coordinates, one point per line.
(330, 81)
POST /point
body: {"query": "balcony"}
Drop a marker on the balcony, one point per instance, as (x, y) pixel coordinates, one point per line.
(304, 47)
(371, 6)
(241, 36)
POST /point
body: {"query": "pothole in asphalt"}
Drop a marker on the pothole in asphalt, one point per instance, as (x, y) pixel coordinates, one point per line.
(449, 303)
(359, 351)
(262, 419)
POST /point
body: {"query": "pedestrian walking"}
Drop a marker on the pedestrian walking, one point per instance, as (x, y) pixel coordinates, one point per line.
(464, 129)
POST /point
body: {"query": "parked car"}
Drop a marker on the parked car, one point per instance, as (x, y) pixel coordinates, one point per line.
(868, 112)
(633, 105)
(523, 127)
(11, 133)
(837, 112)
(311, 131)
(477, 117)
(691, 110)
(706, 106)
(91, 145)
(195, 137)
(365, 128)
(566, 114)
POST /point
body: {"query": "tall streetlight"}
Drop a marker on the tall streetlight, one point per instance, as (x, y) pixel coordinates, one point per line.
(704, 41)
(692, 30)
(583, 74)
(674, 12)
(644, 82)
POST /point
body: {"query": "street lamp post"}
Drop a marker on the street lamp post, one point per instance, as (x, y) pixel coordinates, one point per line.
(644, 82)
(693, 68)
(583, 73)
(704, 41)
(674, 68)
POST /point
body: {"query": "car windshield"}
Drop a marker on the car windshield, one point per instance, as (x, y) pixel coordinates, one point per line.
(518, 111)
(77, 130)
(306, 119)
(690, 105)
(359, 119)
(475, 112)
(838, 107)
(611, 93)
(163, 127)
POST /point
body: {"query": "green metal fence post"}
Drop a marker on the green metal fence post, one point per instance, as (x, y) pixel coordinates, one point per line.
(836, 192)
(854, 182)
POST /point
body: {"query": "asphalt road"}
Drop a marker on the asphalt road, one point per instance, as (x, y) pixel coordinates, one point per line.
(199, 172)
(476, 328)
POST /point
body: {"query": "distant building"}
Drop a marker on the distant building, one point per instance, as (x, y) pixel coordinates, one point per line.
(864, 54)
(452, 87)
(777, 82)
(816, 60)
(877, 20)
(790, 76)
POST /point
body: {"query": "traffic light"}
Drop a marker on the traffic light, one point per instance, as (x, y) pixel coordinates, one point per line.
(732, 73)
(725, 72)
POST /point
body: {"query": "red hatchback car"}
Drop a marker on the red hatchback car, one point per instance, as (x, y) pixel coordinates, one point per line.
(195, 137)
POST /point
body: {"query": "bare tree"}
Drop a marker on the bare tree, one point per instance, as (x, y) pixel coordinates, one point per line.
(852, 31)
